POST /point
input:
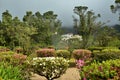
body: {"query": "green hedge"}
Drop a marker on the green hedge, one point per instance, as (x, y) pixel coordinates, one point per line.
(106, 55)
(63, 53)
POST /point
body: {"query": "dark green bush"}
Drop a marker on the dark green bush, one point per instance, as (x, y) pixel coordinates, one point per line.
(107, 70)
(63, 53)
(106, 55)
(96, 48)
(45, 53)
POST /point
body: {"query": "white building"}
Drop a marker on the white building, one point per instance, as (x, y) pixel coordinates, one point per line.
(70, 36)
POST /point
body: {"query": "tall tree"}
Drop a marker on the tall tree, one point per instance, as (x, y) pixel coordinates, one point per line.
(87, 25)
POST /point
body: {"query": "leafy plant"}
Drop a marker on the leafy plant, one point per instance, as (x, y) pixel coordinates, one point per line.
(101, 71)
(10, 72)
(50, 67)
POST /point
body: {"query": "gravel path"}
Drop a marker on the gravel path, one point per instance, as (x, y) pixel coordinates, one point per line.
(71, 74)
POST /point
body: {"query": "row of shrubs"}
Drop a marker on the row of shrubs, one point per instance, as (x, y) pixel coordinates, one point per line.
(52, 67)
(81, 54)
(105, 54)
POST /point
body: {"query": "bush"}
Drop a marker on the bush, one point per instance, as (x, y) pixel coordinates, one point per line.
(111, 50)
(45, 53)
(106, 55)
(107, 70)
(6, 56)
(18, 59)
(63, 53)
(50, 67)
(82, 54)
(18, 50)
(4, 49)
(96, 49)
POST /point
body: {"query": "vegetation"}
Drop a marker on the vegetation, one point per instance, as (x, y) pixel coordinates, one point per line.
(50, 67)
(35, 44)
(45, 53)
(9, 72)
(63, 53)
(101, 71)
(82, 54)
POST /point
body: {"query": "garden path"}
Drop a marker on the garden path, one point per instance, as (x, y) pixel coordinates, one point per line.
(71, 74)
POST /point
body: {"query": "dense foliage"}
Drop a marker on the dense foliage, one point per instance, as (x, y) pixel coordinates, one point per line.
(106, 54)
(101, 71)
(35, 29)
(10, 72)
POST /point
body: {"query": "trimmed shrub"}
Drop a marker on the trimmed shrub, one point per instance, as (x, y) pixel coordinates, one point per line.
(63, 53)
(106, 55)
(96, 49)
(50, 67)
(107, 70)
(4, 49)
(45, 53)
(111, 50)
(18, 50)
(18, 59)
(6, 56)
(82, 54)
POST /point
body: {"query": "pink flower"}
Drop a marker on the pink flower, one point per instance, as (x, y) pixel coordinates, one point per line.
(80, 63)
(84, 78)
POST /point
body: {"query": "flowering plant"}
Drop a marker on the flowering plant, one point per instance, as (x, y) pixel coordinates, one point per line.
(82, 54)
(18, 59)
(50, 67)
(80, 63)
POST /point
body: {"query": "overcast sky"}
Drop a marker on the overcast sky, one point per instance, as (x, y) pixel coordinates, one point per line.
(64, 8)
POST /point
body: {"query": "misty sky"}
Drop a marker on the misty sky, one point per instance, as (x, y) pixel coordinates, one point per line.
(64, 8)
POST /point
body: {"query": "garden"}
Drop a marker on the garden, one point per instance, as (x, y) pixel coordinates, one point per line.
(38, 45)
(52, 64)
